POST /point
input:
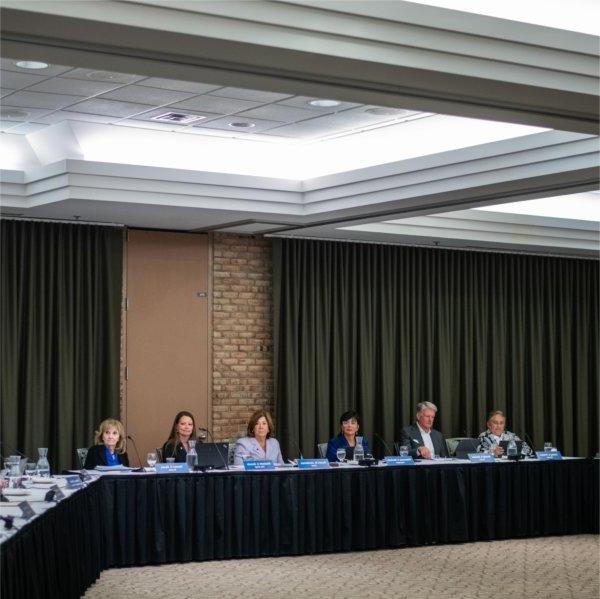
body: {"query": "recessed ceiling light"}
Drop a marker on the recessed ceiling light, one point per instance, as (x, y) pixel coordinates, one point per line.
(383, 111)
(242, 125)
(324, 103)
(31, 64)
(15, 113)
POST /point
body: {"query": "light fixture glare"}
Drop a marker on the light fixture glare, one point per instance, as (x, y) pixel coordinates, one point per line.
(31, 64)
(242, 125)
(324, 103)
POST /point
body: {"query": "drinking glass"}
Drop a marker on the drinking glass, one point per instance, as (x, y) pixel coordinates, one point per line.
(341, 454)
(547, 446)
(403, 451)
(151, 459)
(30, 471)
(170, 460)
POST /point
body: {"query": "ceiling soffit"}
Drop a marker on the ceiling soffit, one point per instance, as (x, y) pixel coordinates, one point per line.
(534, 75)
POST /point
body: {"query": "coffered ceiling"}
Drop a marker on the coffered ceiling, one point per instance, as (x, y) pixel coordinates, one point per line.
(378, 121)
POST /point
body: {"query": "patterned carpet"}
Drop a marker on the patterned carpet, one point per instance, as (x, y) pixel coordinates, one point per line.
(542, 568)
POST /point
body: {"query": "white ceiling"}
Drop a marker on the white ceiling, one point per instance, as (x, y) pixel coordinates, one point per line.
(82, 142)
(35, 99)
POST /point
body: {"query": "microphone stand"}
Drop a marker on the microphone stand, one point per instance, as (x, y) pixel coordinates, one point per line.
(385, 445)
(141, 468)
(225, 461)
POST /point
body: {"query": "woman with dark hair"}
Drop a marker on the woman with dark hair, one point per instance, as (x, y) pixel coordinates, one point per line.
(348, 438)
(183, 429)
(259, 444)
(109, 449)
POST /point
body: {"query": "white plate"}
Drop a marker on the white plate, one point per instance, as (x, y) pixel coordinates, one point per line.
(15, 492)
(41, 480)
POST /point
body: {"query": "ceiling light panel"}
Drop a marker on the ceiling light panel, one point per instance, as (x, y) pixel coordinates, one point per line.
(8, 64)
(224, 123)
(109, 108)
(583, 206)
(304, 102)
(146, 95)
(32, 65)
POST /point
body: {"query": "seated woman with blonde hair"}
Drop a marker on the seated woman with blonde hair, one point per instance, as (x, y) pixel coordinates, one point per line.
(259, 444)
(110, 446)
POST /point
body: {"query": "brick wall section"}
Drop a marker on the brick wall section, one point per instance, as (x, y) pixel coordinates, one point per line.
(242, 321)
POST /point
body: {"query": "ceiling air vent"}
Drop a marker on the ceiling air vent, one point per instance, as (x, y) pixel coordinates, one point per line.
(181, 118)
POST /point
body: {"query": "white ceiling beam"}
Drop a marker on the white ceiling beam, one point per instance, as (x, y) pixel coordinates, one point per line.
(533, 76)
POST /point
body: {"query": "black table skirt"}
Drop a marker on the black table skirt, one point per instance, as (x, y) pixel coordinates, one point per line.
(155, 519)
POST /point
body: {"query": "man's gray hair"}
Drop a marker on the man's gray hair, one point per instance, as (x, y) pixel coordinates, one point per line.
(426, 405)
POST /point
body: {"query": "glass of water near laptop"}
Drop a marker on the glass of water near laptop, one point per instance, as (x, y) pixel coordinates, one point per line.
(341, 454)
(548, 446)
(403, 451)
(151, 459)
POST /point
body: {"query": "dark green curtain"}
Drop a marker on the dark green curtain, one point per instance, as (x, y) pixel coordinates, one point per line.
(379, 328)
(60, 341)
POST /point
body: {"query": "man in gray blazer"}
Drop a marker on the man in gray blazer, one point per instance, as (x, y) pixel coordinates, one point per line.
(422, 440)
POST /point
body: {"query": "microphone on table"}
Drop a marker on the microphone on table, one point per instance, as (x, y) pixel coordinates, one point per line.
(385, 445)
(530, 443)
(224, 459)
(141, 468)
(296, 447)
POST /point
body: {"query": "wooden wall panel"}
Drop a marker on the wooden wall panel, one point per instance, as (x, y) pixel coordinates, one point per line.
(167, 334)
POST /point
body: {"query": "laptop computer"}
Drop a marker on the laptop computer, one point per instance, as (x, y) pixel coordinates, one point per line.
(212, 455)
(465, 447)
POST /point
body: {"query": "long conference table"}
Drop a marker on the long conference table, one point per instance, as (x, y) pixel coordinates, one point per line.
(142, 519)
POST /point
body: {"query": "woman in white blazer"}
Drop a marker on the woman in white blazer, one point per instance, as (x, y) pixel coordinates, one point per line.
(259, 444)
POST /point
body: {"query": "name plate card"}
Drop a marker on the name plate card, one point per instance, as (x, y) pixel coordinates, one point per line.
(546, 456)
(172, 468)
(397, 460)
(74, 481)
(313, 464)
(26, 510)
(477, 458)
(58, 494)
(253, 465)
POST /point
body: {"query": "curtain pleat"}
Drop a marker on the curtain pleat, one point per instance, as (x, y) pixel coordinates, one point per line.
(61, 319)
(379, 328)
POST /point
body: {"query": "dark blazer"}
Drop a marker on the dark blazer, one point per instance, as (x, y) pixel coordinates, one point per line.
(96, 457)
(411, 436)
(340, 441)
(179, 452)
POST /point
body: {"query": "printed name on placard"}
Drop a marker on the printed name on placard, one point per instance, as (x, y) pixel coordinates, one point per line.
(313, 464)
(251, 465)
